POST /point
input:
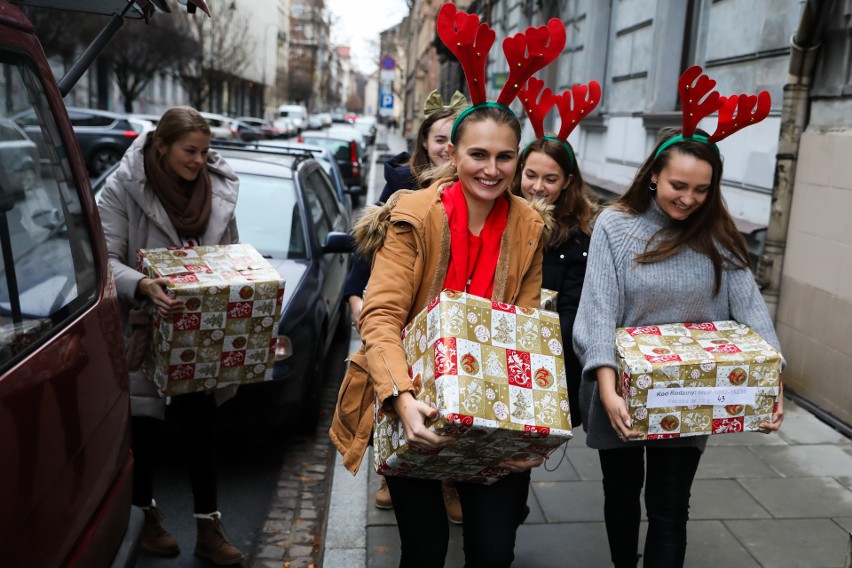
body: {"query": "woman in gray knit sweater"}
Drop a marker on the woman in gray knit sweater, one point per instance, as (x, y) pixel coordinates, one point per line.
(666, 251)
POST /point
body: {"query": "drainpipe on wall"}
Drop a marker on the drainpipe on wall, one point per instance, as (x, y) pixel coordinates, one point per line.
(794, 119)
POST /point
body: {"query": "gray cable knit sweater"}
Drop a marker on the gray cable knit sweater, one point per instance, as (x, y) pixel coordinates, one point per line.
(618, 292)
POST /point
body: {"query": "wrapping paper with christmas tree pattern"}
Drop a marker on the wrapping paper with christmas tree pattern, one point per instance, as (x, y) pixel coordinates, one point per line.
(693, 379)
(496, 374)
(226, 334)
(548, 299)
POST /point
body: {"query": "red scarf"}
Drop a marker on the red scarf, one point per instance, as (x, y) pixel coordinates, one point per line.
(473, 260)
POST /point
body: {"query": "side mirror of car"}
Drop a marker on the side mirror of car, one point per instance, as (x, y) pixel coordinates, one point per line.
(338, 242)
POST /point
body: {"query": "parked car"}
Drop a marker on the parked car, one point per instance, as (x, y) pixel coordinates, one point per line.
(297, 113)
(220, 126)
(349, 132)
(267, 129)
(314, 122)
(348, 153)
(289, 211)
(366, 125)
(284, 127)
(326, 160)
(141, 125)
(103, 136)
(244, 131)
(66, 467)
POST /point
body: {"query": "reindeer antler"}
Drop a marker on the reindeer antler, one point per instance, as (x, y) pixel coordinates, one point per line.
(574, 106)
(528, 52)
(691, 94)
(536, 109)
(470, 41)
(743, 105)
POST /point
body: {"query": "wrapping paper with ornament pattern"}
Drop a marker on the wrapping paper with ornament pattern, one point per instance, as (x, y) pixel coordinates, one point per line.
(226, 333)
(693, 379)
(548, 299)
(496, 374)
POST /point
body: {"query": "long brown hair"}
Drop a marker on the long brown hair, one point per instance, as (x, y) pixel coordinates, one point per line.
(573, 208)
(707, 230)
(419, 161)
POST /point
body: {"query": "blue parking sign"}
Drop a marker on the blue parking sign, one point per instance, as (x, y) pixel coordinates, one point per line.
(387, 100)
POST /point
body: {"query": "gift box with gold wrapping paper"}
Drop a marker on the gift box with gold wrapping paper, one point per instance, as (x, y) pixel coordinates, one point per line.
(496, 374)
(548, 299)
(225, 335)
(697, 378)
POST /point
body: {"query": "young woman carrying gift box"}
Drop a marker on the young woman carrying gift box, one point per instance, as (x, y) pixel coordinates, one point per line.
(169, 190)
(411, 172)
(465, 232)
(549, 172)
(666, 251)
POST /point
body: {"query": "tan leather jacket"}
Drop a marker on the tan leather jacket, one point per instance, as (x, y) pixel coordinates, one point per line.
(409, 241)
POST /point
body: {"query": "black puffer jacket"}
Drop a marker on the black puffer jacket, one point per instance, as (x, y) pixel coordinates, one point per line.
(397, 176)
(563, 270)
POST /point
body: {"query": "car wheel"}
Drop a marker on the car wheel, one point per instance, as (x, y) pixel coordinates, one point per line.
(102, 159)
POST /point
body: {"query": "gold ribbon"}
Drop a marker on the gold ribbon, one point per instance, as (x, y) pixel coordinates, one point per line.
(435, 102)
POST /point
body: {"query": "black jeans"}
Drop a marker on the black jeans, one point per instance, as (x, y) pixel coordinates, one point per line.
(196, 414)
(492, 514)
(670, 472)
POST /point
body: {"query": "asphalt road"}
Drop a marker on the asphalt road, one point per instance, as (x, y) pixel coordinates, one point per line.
(252, 471)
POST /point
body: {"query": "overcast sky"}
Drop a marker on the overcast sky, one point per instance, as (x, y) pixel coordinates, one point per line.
(358, 23)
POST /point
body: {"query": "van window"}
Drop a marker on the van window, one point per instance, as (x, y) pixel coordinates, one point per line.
(47, 272)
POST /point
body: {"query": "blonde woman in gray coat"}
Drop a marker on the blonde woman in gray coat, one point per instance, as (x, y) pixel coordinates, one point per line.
(169, 190)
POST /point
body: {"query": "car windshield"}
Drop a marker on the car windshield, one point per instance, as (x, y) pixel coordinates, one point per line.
(269, 217)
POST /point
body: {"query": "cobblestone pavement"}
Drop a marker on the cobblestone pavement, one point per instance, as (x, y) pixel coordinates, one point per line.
(292, 534)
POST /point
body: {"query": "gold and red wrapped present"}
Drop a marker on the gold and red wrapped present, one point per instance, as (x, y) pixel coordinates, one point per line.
(693, 379)
(226, 334)
(496, 374)
(548, 299)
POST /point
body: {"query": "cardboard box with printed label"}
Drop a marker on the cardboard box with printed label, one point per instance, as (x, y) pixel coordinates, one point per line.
(226, 334)
(496, 374)
(695, 379)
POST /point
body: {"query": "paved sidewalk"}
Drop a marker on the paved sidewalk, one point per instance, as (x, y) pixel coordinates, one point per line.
(777, 501)
(772, 501)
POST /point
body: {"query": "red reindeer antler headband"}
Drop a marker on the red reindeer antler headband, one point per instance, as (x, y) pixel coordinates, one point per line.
(470, 41)
(574, 105)
(699, 100)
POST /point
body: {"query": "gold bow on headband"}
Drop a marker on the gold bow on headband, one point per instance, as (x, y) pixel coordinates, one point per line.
(435, 102)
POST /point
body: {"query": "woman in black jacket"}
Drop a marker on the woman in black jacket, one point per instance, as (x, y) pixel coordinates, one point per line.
(549, 172)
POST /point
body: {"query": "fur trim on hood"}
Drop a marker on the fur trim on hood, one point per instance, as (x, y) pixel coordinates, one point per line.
(370, 229)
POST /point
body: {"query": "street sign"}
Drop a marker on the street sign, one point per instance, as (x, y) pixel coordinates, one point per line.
(385, 101)
(388, 63)
(386, 76)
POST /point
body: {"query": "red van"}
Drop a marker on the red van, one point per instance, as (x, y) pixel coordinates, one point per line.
(65, 459)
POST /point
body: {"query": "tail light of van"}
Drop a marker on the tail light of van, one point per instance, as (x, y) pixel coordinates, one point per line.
(300, 140)
(130, 134)
(353, 155)
(283, 348)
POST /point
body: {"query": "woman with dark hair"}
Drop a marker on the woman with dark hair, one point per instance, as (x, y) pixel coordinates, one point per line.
(666, 251)
(169, 190)
(548, 173)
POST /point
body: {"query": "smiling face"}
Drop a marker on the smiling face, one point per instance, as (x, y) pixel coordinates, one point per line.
(437, 142)
(682, 185)
(486, 157)
(543, 178)
(187, 156)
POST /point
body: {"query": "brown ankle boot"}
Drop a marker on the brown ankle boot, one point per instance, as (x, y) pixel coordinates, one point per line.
(155, 539)
(383, 498)
(211, 542)
(451, 502)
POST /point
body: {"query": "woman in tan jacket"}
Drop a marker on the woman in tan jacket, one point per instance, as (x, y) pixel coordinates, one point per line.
(465, 232)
